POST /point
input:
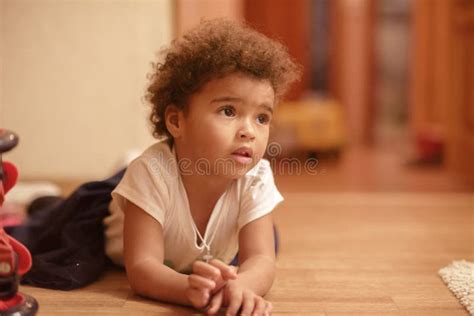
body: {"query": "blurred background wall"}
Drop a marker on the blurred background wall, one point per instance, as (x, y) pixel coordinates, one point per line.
(73, 74)
(401, 73)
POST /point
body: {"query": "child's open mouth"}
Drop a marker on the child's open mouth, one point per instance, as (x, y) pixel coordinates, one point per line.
(243, 155)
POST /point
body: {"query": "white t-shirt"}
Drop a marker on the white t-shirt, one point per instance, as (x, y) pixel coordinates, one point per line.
(153, 183)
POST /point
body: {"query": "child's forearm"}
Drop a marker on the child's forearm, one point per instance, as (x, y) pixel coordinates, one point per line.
(157, 281)
(257, 273)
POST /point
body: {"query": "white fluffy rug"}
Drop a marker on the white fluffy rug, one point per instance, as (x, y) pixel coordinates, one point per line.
(459, 277)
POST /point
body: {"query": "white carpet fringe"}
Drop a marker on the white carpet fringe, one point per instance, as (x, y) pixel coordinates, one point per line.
(459, 277)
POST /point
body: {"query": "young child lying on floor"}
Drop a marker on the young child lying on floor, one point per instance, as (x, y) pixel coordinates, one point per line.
(203, 193)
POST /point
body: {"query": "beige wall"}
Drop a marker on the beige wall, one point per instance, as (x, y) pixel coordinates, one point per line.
(73, 75)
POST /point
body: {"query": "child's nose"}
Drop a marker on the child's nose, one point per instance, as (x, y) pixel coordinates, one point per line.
(247, 131)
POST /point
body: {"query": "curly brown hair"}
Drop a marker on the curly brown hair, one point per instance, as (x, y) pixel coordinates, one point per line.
(211, 50)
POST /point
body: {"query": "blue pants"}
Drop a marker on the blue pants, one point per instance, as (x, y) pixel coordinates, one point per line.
(66, 238)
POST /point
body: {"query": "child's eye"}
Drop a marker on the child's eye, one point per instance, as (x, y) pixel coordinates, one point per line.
(228, 111)
(263, 119)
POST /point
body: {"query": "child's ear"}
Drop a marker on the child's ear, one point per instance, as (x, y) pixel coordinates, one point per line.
(174, 120)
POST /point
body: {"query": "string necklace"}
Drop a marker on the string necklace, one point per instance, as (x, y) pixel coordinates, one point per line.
(207, 244)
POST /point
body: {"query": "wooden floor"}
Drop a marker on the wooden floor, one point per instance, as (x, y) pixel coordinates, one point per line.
(346, 249)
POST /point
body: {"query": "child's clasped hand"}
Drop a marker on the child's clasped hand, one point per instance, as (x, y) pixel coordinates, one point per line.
(215, 284)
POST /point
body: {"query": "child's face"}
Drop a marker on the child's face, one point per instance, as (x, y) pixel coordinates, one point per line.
(227, 125)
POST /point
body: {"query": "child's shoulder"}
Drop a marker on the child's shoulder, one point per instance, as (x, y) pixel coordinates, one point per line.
(157, 150)
(158, 158)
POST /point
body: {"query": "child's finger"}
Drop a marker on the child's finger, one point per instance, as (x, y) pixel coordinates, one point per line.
(248, 304)
(234, 270)
(269, 308)
(216, 303)
(260, 307)
(197, 297)
(199, 282)
(227, 271)
(235, 301)
(206, 270)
